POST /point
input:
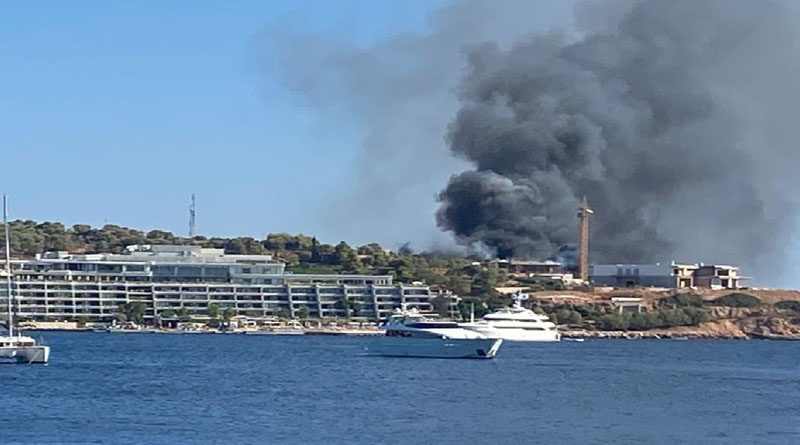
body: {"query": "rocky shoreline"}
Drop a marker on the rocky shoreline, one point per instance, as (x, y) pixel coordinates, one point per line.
(707, 331)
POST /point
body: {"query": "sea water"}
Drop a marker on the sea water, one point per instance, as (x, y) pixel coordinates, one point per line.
(173, 389)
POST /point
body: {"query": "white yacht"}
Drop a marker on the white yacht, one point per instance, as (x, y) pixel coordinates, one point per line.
(515, 323)
(17, 349)
(410, 334)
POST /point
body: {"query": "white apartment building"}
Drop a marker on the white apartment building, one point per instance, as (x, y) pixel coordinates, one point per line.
(60, 286)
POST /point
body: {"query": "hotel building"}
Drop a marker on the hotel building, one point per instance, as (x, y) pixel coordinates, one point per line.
(60, 286)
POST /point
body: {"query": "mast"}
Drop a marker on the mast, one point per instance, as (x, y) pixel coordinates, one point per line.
(8, 266)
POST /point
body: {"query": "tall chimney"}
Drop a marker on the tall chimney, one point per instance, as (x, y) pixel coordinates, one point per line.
(584, 213)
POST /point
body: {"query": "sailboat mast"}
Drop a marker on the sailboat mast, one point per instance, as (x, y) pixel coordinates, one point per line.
(8, 265)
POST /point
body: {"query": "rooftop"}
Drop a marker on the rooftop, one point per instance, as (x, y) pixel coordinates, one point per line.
(160, 254)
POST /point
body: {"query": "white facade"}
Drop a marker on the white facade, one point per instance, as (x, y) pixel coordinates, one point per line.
(59, 286)
(674, 275)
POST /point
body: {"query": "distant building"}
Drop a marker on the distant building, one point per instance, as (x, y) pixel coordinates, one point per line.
(547, 273)
(529, 267)
(672, 275)
(715, 276)
(632, 275)
(628, 304)
(59, 285)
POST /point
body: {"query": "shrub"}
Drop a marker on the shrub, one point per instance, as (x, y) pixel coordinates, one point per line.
(662, 318)
(792, 305)
(737, 300)
(614, 322)
(587, 311)
(640, 322)
(681, 300)
(567, 316)
(696, 316)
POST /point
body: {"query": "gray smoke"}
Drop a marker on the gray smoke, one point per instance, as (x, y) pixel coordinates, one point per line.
(399, 95)
(676, 118)
(651, 116)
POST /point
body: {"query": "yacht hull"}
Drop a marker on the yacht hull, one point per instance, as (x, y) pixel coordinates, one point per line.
(24, 354)
(512, 334)
(435, 347)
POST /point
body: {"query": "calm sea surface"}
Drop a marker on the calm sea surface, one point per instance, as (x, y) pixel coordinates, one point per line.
(171, 389)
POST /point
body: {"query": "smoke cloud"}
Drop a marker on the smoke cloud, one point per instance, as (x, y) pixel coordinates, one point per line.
(649, 117)
(675, 118)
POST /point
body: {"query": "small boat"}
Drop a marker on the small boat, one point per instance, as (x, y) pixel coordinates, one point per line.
(23, 350)
(576, 340)
(410, 334)
(516, 323)
(19, 348)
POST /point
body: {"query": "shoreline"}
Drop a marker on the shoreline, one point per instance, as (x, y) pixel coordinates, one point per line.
(567, 334)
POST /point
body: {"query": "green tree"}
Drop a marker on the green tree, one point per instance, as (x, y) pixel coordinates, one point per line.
(345, 256)
(81, 321)
(235, 247)
(183, 314)
(568, 316)
(349, 307)
(486, 280)
(355, 308)
(283, 313)
(303, 313)
(212, 310)
(343, 304)
(441, 304)
(133, 311)
(167, 313)
(227, 315)
(466, 305)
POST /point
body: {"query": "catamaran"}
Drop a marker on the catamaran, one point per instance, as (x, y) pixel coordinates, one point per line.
(17, 348)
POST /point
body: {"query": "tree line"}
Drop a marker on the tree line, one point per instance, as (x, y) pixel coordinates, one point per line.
(301, 253)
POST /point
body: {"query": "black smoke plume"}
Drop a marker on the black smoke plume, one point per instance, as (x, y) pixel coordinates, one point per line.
(650, 117)
(677, 118)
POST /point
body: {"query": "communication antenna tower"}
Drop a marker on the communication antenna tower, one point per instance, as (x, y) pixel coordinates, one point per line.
(192, 216)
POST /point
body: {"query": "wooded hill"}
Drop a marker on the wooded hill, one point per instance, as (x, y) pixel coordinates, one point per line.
(302, 253)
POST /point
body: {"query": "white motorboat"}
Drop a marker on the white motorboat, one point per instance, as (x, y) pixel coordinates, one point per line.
(515, 323)
(17, 349)
(410, 334)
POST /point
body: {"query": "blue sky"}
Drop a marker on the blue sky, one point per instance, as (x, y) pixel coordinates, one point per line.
(117, 111)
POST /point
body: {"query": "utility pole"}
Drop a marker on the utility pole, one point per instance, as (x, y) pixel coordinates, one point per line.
(192, 216)
(584, 213)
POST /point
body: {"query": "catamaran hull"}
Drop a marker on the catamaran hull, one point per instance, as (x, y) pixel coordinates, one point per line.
(435, 347)
(515, 334)
(24, 354)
